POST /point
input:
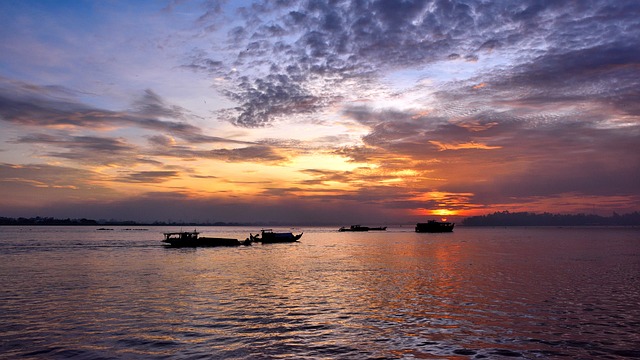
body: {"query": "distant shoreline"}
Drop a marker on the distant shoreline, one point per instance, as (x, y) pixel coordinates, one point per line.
(506, 218)
(49, 221)
(498, 219)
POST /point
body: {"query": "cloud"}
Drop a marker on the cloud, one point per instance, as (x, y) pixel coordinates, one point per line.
(564, 158)
(265, 99)
(177, 206)
(47, 184)
(469, 145)
(149, 176)
(606, 73)
(247, 154)
(35, 106)
(85, 149)
(152, 105)
(165, 147)
(285, 48)
(79, 143)
(485, 102)
(111, 151)
(505, 160)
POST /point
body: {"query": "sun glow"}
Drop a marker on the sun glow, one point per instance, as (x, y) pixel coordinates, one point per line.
(325, 162)
(444, 212)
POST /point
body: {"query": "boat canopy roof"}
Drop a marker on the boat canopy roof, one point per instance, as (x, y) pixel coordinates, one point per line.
(182, 234)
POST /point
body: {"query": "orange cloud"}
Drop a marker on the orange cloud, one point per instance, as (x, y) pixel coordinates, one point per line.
(476, 126)
(420, 114)
(468, 145)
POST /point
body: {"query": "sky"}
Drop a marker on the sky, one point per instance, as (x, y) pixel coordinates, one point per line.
(318, 112)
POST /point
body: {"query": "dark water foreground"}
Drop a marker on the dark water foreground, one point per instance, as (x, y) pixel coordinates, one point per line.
(476, 293)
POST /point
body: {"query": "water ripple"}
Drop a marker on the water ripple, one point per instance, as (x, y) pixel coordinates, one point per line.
(474, 294)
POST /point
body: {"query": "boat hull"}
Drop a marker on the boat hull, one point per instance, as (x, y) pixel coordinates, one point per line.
(272, 238)
(434, 227)
(361, 229)
(204, 242)
(358, 228)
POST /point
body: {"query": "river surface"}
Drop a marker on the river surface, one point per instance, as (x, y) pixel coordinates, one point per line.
(495, 293)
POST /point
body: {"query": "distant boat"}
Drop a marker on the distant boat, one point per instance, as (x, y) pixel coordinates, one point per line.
(362, 228)
(269, 236)
(191, 239)
(433, 226)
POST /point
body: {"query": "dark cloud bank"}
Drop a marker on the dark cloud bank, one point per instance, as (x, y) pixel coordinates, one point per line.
(562, 47)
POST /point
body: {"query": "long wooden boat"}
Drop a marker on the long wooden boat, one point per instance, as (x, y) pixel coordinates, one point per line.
(269, 236)
(191, 239)
(433, 226)
(362, 228)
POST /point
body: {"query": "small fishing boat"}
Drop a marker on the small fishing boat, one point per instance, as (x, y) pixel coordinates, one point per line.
(191, 239)
(433, 226)
(269, 236)
(362, 228)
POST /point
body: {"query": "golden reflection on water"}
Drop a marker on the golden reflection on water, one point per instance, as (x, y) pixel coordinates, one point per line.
(333, 295)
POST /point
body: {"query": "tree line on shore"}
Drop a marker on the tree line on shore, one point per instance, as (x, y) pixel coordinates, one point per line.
(503, 218)
(50, 221)
(506, 218)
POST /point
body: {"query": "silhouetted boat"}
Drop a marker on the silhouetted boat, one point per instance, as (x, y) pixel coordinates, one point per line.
(269, 236)
(362, 228)
(191, 239)
(433, 226)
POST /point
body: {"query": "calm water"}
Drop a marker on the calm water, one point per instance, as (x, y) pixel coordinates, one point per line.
(75, 292)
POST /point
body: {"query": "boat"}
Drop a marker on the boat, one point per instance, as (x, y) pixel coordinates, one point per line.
(433, 226)
(362, 228)
(191, 239)
(354, 228)
(269, 236)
